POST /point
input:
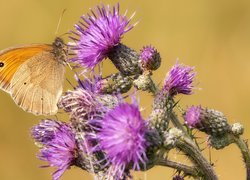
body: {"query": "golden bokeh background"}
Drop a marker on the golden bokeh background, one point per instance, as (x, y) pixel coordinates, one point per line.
(212, 35)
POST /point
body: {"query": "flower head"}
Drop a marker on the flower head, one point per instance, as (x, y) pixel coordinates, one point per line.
(45, 131)
(179, 80)
(150, 58)
(79, 102)
(86, 100)
(210, 121)
(122, 138)
(98, 34)
(192, 116)
(59, 145)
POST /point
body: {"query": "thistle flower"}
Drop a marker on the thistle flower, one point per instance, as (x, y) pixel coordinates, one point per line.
(150, 59)
(209, 121)
(59, 145)
(122, 138)
(78, 102)
(45, 131)
(98, 34)
(192, 116)
(179, 80)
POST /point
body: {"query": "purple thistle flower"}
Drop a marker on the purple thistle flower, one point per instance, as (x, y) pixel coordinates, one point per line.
(79, 101)
(98, 34)
(150, 58)
(210, 121)
(179, 80)
(45, 131)
(86, 102)
(60, 148)
(122, 138)
(192, 116)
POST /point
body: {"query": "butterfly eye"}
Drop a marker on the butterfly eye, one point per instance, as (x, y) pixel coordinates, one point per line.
(1, 64)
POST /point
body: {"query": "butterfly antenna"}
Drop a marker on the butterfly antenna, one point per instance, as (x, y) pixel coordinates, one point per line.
(59, 22)
(67, 33)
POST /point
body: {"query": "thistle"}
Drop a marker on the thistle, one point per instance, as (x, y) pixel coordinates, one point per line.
(98, 36)
(59, 147)
(122, 138)
(179, 80)
(109, 137)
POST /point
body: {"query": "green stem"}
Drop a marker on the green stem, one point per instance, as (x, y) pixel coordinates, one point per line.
(153, 87)
(188, 170)
(245, 153)
(186, 145)
(178, 124)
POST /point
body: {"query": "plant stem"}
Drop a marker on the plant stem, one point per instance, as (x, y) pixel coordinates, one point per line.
(188, 170)
(186, 145)
(153, 87)
(177, 123)
(244, 151)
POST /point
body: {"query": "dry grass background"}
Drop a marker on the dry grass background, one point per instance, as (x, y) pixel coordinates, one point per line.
(212, 35)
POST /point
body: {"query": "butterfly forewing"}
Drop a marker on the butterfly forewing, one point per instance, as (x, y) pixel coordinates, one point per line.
(11, 59)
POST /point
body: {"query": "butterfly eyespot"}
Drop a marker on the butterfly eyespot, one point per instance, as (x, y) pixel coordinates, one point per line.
(1, 64)
(42, 99)
(25, 83)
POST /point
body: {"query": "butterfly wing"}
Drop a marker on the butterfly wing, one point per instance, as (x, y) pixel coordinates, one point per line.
(12, 58)
(33, 76)
(37, 85)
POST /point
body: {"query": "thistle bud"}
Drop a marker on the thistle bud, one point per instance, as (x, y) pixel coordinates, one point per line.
(143, 82)
(159, 117)
(237, 129)
(114, 83)
(206, 120)
(150, 59)
(172, 136)
(219, 142)
(125, 59)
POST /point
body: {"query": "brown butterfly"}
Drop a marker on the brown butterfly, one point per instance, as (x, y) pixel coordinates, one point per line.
(33, 75)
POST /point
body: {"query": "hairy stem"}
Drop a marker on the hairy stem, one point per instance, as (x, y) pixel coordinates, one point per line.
(177, 123)
(188, 170)
(187, 145)
(153, 87)
(245, 153)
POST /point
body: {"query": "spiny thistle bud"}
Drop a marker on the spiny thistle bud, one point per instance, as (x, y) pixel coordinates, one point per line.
(155, 142)
(237, 129)
(116, 83)
(219, 142)
(150, 59)
(125, 59)
(144, 83)
(159, 118)
(172, 136)
(209, 121)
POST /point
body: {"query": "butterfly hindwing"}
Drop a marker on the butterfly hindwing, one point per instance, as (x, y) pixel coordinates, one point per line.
(37, 85)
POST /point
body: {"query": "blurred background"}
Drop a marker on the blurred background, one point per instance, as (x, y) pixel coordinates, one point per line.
(212, 35)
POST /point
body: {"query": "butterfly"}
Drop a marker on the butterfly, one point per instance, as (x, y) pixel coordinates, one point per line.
(33, 75)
